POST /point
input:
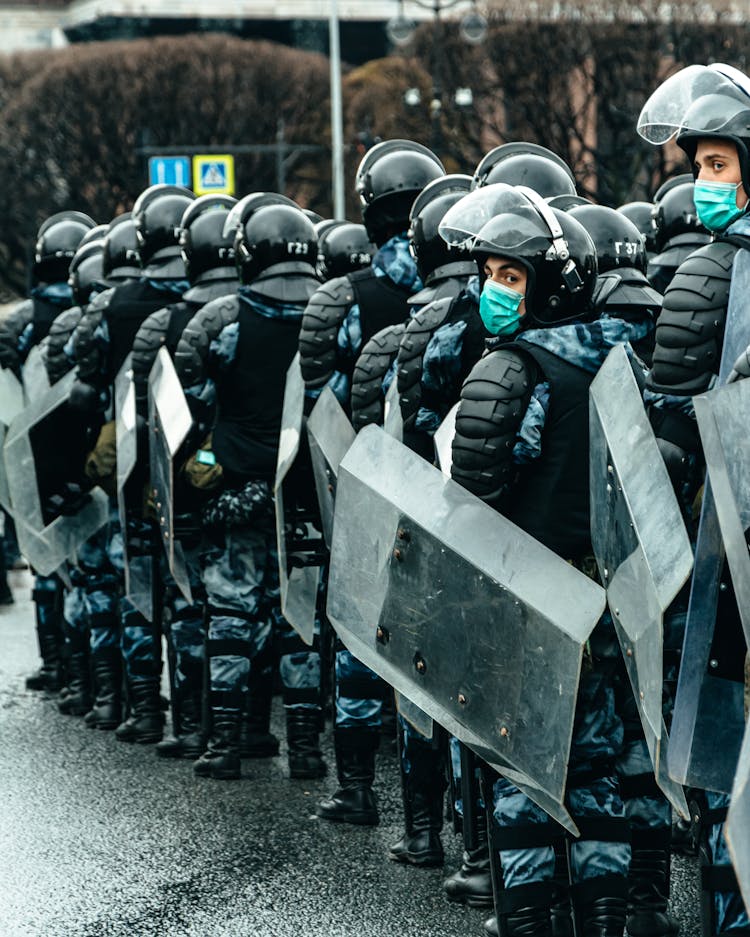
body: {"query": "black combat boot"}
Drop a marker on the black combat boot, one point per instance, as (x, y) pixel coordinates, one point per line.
(106, 712)
(354, 801)
(145, 724)
(256, 738)
(490, 927)
(50, 640)
(601, 906)
(472, 884)
(525, 910)
(188, 739)
(302, 737)
(76, 700)
(423, 790)
(648, 885)
(221, 760)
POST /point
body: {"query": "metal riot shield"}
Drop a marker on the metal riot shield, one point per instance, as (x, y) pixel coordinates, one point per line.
(443, 440)
(639, 538)
(299, 575)
(738, 820)
(46, 543)
(472, 619)
(722, 420)
(34, 373)
(393, 422)
(330, 433)
(138, 584)
(11, 404)
(169, 422)
(708, 720)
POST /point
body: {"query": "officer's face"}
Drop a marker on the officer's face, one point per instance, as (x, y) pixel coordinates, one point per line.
(717, 161)
(510, 273)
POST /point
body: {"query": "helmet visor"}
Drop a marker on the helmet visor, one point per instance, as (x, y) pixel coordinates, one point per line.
(464, 220)
(663, 115)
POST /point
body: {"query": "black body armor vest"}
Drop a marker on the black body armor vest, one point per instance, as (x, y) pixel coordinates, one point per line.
(551, 499)
(251, 395)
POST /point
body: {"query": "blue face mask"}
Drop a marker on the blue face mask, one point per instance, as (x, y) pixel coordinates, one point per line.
(498, 307)
(716, 204)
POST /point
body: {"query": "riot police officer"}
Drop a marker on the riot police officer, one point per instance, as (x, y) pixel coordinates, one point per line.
(521, 444)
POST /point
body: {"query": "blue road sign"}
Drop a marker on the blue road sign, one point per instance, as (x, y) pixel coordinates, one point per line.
(174, 170)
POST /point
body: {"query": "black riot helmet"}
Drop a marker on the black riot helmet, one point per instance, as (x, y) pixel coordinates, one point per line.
(244, 208)
(121, 260)
(57, 241)
(276, 253)
(343, 247)
(555, 249)
(312, 215)
(526, 164)
(389, 178)
(617, 240)
(86, 274)
(157, 214)
(642, 216)
(431, 253)
(699, 102)
(208, 253)
(675, 214)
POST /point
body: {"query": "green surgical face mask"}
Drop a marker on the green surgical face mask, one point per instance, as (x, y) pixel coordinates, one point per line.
(716, 204)
(498, 307)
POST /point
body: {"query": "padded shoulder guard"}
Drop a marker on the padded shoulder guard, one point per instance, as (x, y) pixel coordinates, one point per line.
(57, 362)
(86, 351)
(494, 399)
(368, 403)
(148, 340)
(690, 329)
(195, 342)
(11, 328)
(321, 321)
(419, 331)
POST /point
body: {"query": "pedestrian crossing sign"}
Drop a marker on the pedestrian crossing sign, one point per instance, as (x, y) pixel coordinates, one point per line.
(213, 175)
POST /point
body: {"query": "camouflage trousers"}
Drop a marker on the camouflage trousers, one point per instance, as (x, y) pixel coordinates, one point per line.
(92, 606)
(299, 663)
(359, 693)
(729, 909)
(592, 795)
(182, 620)
(236, 568)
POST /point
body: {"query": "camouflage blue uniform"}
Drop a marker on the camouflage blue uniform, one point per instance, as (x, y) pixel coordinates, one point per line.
(240, 573)
(359, 691)
(593, 794)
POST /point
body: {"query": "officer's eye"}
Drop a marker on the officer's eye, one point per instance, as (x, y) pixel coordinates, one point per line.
(717, 165)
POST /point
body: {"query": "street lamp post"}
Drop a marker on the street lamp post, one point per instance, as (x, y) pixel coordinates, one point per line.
(400, 30)
(337, 120)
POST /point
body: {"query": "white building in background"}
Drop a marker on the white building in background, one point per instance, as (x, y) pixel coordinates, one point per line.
(301, 23)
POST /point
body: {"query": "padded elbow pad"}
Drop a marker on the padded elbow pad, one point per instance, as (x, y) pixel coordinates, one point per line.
(11, 328)
(85, 349)
(148, 340)
(376, 357)
(56, 361)
(690, 329)
(195, 342)
(321, 322)
(494, 399)
(419, 331)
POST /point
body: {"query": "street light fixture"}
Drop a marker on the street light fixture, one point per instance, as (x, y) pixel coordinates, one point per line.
(473, 29)
(400, 29)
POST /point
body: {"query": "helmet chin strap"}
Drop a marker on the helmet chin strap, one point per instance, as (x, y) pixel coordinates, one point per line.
(559, 249)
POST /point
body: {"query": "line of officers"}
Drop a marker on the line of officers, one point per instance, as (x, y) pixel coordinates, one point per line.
(502, 290)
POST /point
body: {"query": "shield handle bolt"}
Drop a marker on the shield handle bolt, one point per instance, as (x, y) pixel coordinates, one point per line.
(382, 634)
(403, 534)
(397, 555)
(462, 699)
(504, 732)
(420, 663)
(330, 489)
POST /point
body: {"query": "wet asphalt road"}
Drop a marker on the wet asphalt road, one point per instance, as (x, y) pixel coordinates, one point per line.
(103, 839)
